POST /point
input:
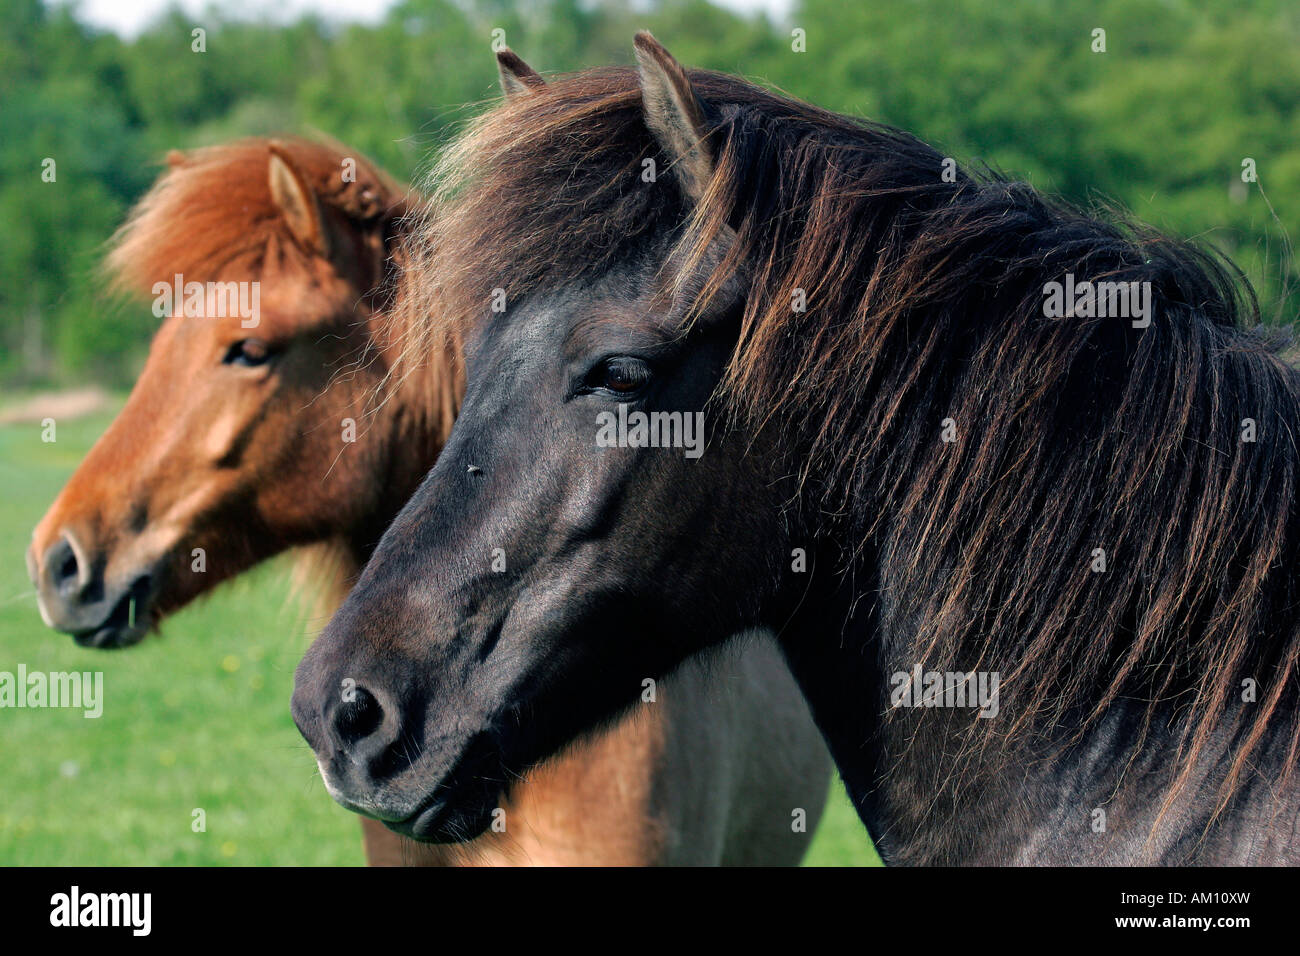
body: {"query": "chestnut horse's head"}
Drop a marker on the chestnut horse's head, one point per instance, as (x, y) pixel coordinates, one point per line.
(269, 263)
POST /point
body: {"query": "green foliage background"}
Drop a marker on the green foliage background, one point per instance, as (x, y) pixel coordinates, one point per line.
(1160, 122)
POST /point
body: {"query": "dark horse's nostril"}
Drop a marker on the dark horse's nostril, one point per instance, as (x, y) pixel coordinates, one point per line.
(358, 718)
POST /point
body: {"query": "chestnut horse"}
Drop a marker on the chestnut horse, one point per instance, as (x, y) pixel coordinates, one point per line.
(246, 436)
(1036, 567)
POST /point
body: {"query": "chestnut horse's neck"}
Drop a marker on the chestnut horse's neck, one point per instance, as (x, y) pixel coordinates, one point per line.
(406, 420)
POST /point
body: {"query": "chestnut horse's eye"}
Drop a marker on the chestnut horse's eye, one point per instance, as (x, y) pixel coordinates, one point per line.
(621, 375)
(247, 352)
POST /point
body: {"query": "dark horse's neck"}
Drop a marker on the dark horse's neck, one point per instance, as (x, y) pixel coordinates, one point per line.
(1096, 798)
(1067, 633)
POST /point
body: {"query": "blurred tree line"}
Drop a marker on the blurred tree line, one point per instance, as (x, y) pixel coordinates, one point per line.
(1160, 122)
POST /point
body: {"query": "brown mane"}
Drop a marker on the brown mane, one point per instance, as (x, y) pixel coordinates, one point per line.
(925, 302)
(211, 213)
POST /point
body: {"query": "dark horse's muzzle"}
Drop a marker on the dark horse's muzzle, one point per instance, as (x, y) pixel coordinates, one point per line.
(365, 716)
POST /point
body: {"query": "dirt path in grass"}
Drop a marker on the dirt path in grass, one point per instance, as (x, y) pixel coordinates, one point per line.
(62, 406)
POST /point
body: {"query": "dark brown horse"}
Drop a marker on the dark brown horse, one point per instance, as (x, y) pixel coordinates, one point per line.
(1034, 563)
(243, 438)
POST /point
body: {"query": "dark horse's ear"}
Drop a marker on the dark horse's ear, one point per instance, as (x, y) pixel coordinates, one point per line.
(517, 77)
(298, 203)
(674, 114)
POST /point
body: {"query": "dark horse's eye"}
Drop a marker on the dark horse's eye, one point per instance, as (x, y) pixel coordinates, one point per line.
(621, 375)
(247, 352)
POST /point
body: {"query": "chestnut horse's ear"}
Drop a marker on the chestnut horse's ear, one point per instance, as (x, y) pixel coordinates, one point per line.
(674, 114)
(517, 77)
(298, 204)
(175, 158)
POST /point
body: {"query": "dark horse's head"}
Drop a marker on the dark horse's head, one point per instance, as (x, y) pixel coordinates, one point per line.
(538, 546)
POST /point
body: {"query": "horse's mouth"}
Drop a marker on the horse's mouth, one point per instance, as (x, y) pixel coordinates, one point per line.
(443, 822)
(463, 806)
(128, 622)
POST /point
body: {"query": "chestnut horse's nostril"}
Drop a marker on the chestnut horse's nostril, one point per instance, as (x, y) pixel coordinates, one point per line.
(72, 594)
(64, 569)
(357, 718)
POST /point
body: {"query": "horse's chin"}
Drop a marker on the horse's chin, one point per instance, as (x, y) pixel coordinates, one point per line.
(112, 638)
(444, 822)
(128, 623)
(465, 803)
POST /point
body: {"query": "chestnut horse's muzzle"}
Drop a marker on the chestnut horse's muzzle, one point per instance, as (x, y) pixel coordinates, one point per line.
(75, 598)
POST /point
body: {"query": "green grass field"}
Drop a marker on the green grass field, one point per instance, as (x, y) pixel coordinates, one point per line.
(194, 719)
